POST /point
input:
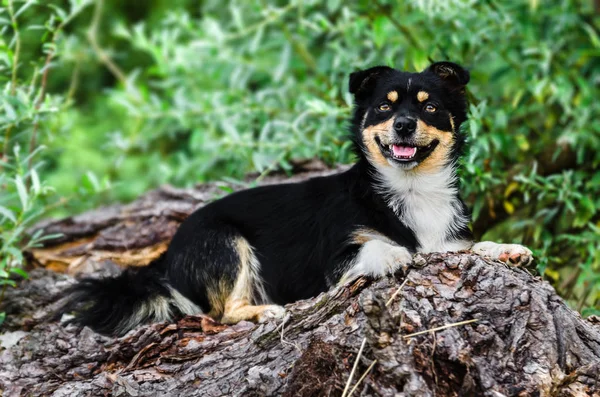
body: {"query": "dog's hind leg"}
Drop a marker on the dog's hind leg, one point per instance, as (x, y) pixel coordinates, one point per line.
(237, 310)
(248, 290)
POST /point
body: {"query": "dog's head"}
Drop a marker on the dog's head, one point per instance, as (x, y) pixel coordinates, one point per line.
(410, 121)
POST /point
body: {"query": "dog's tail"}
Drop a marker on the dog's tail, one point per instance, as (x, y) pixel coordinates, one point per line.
(116, 305)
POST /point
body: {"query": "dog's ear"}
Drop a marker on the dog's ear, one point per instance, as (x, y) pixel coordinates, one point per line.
(454, 75)
(363, 81)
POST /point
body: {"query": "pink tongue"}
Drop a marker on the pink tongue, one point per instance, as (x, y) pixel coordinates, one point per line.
(404, 151)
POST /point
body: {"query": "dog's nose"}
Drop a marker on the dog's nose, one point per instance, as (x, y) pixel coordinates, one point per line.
(404, 125)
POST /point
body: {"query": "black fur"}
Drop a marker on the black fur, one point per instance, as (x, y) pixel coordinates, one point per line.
(104, 303)
(298, 230)
(446, 80)
(301, 233)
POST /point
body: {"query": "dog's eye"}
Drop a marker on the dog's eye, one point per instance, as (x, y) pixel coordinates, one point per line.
(384, 107)
(431, 108)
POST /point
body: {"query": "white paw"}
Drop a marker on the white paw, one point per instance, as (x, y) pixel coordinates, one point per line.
(376, 259)
(512, 254)
(399, 257)
(271, 312)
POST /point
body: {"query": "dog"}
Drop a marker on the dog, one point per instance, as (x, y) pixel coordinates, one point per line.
(244, 256)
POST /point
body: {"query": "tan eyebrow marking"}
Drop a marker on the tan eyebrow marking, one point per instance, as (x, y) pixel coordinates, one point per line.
(422, 96)
(392, 96)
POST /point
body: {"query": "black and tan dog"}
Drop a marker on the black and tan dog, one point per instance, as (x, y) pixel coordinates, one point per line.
(242, 257)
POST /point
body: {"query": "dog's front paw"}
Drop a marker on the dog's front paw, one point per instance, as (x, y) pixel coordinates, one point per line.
(399, 259)
(271, 312)
(516, 255)
(512, 254)
(376, 259)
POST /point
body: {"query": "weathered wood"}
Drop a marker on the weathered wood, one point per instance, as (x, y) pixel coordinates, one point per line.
(524, 340)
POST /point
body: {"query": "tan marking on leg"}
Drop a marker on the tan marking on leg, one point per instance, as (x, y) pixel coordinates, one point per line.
(422, 96)
(370, 133)
(217, 295)
(248, 290)
(248, 284)
(361, 236)
(439, 158)
(392, 96)
(237, 310)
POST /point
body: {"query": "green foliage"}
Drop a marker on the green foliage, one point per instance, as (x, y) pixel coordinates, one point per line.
(26, 108)
(181, 92)
(19, 208)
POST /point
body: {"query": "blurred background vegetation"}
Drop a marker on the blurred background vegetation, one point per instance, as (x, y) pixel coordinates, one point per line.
(103, 100)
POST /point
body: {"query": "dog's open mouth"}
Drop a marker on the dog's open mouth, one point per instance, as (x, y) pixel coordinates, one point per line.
(405, 152)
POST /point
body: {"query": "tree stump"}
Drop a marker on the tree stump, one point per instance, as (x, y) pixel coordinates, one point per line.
(453, 324)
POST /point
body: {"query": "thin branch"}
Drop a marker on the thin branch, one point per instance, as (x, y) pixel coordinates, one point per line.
(364, 375)
(15, 65)
(300, 49)
(40, 100)
(395, 294)
(409, 36)
(362, 346)
(92, 36)
(44, 83)
(273, 17)
(282, 332)
(440, 328)
(15, 26)
(5, 143)
(74, 85)
(3, 292)
(432, 358)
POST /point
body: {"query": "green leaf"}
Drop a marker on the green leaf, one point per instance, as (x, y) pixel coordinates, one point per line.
(19, 271)
(379, 30)
(35, 179)
(24, 7)
(10, 283)
(23, 196)
(477, 208)
(590, 311)
(10, 112)
(5, 212)
(62, 14)
(333, 5)
(15, 253)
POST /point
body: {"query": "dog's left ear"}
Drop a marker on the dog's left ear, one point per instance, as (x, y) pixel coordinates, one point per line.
(454, 75)
(363, 81)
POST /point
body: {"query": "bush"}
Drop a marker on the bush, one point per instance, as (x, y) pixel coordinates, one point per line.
(27, 108)
(176, 92)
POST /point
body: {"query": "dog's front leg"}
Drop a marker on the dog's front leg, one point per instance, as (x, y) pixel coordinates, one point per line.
(512, 254)
(376, 258)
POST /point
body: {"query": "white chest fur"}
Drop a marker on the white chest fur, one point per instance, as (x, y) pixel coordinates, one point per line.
(427, 204)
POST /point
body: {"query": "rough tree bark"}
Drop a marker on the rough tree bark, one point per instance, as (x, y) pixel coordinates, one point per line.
(507, 332)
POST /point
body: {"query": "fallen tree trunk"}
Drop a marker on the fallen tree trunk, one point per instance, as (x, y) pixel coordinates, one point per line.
(460, 325)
